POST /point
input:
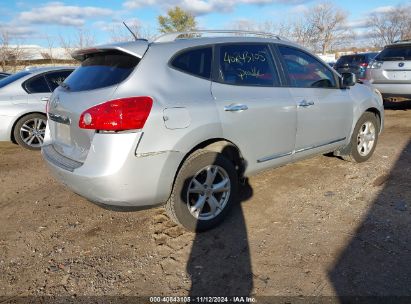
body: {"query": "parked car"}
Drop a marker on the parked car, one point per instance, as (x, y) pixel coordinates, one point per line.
(23, 98)
(355, 63)
(390, 71)
(181, 121)
(3, 75)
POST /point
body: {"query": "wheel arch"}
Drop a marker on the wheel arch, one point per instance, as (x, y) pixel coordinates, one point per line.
(345, 150)
(377, 113)
(219, 145)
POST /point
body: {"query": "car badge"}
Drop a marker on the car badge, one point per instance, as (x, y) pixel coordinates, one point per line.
(401, 64)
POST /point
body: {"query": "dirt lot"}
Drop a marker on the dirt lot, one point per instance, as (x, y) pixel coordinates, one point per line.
(321, 227)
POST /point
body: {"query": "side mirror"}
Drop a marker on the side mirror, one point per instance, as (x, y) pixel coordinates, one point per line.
(348, 80)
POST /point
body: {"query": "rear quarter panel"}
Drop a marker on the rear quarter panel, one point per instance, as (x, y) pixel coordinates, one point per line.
(10, 113)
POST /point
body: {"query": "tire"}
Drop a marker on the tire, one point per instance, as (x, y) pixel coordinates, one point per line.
(191, 187)
(29, 131)
(363, 141)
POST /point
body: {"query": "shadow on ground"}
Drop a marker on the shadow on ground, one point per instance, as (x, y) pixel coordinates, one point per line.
(377, 261)
(219, 263)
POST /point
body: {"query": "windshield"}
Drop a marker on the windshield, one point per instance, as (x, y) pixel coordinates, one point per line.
(393, 53)
(356, 59)
(101, 70)
(12, 78)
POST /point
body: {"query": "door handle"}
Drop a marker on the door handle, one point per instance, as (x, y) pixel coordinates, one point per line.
(235, 108)
(305, 104)
(45, 98)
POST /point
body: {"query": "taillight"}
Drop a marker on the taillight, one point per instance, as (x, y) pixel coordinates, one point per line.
(117, 115)
(374, 64)
(364, 64)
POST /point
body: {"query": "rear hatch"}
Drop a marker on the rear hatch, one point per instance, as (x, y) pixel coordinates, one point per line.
(393, 65)
(102, 70)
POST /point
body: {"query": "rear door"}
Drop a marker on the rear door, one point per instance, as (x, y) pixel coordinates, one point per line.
(324, 112)
(38, 90)
(40, 87)
(256, 112)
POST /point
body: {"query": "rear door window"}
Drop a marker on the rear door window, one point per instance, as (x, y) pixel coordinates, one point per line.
(101, 70)
(247, 65)
(54, 79)
(37, 85)
(394, 53)
(196, 62)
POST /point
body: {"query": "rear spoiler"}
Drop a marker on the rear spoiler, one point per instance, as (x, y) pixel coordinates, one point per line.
(135, 48)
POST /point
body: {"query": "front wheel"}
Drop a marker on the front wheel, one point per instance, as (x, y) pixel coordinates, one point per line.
(364, 138)
(205, 188)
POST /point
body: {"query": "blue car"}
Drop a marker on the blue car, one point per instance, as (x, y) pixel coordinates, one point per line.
(356, 63)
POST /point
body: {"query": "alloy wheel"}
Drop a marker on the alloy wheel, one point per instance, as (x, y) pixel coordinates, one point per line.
(32, 132)
(366, 138)
(208, 192)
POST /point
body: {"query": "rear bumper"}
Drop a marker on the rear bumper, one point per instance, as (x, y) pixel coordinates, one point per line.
(393, 89)
(114, 175)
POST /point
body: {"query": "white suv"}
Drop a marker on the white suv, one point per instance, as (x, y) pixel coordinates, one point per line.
(390, 71)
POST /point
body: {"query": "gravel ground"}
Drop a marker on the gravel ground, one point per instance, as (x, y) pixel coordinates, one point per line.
(320, 227)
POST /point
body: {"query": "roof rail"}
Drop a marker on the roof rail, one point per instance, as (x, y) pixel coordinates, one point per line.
(198, 33)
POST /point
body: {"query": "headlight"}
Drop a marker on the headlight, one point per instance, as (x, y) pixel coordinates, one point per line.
(374, 64)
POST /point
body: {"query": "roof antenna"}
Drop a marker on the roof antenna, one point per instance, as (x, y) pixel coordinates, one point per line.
(134, 35)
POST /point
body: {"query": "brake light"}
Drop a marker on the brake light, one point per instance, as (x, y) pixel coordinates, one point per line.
(364, 64)
(374, 64)
(117, 115)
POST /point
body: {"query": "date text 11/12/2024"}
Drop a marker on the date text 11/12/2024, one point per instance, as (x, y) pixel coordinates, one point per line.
(199, 299)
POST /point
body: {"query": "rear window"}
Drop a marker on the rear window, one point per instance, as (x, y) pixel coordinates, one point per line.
(394, 53)
(371, 56)
(54, 79)
(37, 84)
(12, 78)
(101, 70)
(357, 59)
(195, 62)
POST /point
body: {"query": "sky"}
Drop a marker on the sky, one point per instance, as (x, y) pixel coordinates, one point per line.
(44, 22)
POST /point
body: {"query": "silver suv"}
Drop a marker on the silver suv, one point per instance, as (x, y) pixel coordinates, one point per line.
(390, 71)
(183, 119)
